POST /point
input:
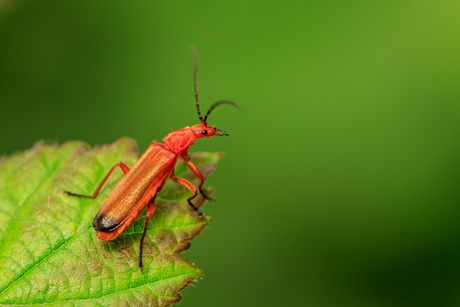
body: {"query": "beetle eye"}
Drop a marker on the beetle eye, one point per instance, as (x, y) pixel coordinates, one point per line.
(204, 132)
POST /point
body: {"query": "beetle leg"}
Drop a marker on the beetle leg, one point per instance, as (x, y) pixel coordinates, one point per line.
(148, 215)
(189, 186)
(198, 174)
(123, 167)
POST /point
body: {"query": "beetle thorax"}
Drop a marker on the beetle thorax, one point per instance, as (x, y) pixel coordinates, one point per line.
(179, 140)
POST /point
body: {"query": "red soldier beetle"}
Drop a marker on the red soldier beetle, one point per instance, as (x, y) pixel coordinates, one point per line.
(140, 185)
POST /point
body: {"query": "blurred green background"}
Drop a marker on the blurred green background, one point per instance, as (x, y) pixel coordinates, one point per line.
(340, 184)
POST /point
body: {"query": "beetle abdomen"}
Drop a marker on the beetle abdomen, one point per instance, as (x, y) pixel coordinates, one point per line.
(137, 188)
(105, 223)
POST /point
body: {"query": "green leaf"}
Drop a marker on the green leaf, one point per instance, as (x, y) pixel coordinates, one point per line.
(49, 252)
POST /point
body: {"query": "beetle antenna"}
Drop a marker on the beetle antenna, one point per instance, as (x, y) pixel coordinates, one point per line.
(195, 79)
(218, 103)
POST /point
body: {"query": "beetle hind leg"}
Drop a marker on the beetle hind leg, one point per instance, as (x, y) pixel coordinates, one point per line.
(123, 167)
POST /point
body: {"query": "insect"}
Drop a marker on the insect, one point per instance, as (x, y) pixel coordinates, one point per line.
(146, 178)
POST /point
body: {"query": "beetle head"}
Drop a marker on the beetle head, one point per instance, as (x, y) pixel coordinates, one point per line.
(202, 130)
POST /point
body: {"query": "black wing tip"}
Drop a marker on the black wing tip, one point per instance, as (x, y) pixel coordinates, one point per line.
(105, 223)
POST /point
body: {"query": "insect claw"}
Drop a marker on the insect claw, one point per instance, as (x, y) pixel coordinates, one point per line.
(207, 197)
(78, 195)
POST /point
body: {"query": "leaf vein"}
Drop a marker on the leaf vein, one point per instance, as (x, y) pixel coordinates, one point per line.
(49, 175)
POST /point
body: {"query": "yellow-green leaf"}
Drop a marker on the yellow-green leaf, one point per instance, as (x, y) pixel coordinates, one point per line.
(49, 253)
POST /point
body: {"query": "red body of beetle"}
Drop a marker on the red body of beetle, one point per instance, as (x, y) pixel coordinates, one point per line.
(145, 179)
(141, 184)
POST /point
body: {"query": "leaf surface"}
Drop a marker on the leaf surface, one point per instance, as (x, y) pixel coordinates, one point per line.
(49, 252)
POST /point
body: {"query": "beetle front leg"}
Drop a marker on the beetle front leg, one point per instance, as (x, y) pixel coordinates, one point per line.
(189, 186)
(198, 174)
